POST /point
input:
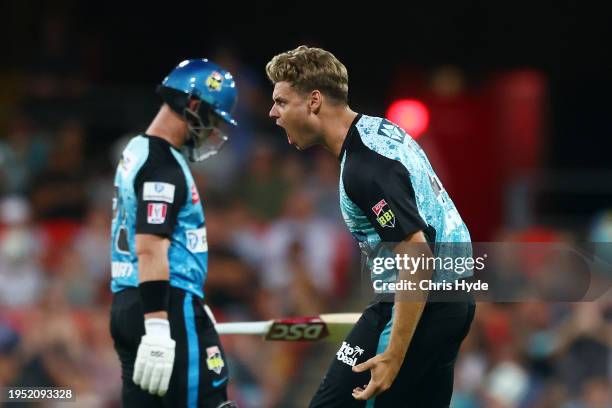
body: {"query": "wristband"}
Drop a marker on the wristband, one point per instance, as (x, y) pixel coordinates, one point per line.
(154, 295)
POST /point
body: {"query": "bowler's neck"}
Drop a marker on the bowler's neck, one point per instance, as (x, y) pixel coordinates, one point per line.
(336, 128)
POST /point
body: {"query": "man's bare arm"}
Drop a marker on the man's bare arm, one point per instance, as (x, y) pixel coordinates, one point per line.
(152, 252)
(408, 309)
(409, 305)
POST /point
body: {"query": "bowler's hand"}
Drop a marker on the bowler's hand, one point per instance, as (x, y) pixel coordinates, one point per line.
(383, 370)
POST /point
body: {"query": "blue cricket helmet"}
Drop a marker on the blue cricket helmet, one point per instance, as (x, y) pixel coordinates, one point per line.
(208, 82)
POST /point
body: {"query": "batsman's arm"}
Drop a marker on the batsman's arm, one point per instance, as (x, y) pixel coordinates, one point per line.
(155, 355)
(153, 273)
(161, 193)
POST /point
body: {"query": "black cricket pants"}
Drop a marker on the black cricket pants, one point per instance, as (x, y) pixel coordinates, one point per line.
(425, 379)
(200, 374)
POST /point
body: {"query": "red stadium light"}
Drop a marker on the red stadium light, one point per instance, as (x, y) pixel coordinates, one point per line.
(409, 114)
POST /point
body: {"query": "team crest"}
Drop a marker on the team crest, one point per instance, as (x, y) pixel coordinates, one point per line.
(391, 131)
(214, 361)
(214, 81)
(384, 215)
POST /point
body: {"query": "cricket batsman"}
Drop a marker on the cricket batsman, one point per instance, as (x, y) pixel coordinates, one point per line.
(169, 350)
(402, 351)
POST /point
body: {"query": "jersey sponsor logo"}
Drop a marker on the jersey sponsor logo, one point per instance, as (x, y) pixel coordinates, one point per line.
(384, 215)
(158, 191)
(214, 361)
(391, 131)
(196, 240)
(121, 269)
(156, 213)
(195, 197)
(348, 355)
(214, 81)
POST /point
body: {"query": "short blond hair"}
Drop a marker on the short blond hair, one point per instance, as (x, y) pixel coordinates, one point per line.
(309, 68)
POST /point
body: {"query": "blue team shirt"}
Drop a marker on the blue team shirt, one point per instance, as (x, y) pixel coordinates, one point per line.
(155, 194)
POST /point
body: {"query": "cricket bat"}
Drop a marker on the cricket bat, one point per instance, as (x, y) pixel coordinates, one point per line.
(294, 328)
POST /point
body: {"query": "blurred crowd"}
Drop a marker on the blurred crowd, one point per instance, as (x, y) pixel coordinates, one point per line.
(278, 247)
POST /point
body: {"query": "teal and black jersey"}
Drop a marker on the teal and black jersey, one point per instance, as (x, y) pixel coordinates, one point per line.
(388, 191)
(155, 194)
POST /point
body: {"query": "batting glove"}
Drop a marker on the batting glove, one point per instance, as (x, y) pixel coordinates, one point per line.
(155, 357)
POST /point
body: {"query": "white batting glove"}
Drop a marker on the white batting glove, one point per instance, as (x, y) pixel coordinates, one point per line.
(155, 357)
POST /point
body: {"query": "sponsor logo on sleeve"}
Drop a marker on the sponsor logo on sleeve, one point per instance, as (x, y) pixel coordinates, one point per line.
(156, 213)
(214, 361)
(158, 191)
(196, 240)
(195, 197)
(384, 215)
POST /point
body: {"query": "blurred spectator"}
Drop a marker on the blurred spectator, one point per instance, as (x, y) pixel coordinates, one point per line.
(601, 230)
(52, 355)
(254, 103)
(583, 346)
(100, 361)
(219, 171)
(20, 255)
(262, 189)
(601, 235)
(56, 69)
(23, 154)
(506, 385)
(323, 183)
(595, 394)
(60, 193)
(300, 249)
(92, 245)
(9, 357)
(230, 283)
(71, 273)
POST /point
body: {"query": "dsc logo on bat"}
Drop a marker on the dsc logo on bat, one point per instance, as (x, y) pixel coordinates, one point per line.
(298, 329)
